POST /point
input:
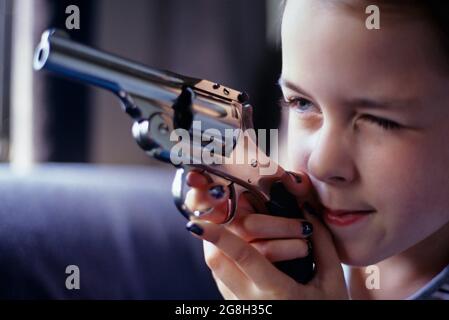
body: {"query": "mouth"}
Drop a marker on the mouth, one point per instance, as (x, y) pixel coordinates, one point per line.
(344, 217)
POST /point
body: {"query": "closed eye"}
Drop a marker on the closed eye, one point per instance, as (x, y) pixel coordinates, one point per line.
(383, 123)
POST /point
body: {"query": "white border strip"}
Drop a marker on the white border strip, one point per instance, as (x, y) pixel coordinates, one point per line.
(22, 151)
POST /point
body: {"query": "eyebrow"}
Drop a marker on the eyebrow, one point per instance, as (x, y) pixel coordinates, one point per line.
(290, 85)
(354, 102)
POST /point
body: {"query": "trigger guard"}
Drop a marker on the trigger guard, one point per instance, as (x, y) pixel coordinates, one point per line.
(178, 192)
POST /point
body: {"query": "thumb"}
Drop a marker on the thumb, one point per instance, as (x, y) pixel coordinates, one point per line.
(300, 185)
(297, 184)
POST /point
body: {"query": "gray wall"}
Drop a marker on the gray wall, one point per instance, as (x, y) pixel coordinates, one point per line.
(223, 41)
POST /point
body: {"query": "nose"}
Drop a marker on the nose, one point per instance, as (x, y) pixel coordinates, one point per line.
(331, 158)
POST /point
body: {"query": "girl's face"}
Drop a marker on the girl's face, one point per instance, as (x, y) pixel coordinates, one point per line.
(368, 122)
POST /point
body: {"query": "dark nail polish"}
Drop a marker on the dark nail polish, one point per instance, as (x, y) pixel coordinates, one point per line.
(196, 229)
(217, 192)
(306, 206)
(307, 228)
(297, 178)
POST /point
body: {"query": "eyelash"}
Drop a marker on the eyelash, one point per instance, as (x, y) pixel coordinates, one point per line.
(383, 123)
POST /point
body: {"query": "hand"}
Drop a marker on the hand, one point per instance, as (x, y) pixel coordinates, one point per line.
(240, 254)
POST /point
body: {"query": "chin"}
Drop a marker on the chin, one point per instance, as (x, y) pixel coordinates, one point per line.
(359, 255)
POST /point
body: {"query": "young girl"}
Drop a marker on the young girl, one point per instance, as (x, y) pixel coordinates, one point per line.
(367, 130)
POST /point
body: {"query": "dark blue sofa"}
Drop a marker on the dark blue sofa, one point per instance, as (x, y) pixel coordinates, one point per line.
(117, 224)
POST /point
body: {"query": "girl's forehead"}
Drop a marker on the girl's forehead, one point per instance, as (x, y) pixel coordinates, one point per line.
(325, 41)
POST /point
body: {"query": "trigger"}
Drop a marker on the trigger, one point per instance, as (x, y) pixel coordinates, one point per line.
(234, 194)
(178, 191)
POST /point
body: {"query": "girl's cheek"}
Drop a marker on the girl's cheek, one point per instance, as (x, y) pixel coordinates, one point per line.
(303, 135)
(298, 149)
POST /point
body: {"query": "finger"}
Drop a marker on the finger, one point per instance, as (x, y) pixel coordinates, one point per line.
(197, 179)
(261, 226)
(282, 250)
(204, 192)
(226, 271)
(255, 266)
(297, 183)
(324, 251)
(213, 193)
(200, 204)
(209, 202)
(300, 185)
(224, 290)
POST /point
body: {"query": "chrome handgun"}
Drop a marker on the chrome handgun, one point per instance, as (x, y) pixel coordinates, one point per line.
(179, 120)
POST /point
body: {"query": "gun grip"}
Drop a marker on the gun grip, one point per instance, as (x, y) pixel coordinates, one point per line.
(283, 204)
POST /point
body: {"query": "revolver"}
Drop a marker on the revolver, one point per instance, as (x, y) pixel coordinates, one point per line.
(180, 120)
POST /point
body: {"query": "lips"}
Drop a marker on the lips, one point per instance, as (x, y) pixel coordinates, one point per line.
(344, 217)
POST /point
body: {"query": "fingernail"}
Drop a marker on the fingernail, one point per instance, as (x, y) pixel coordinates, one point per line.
(194, 228)
(217, 192)
(307, 228)
(306, 206)
(296, 177)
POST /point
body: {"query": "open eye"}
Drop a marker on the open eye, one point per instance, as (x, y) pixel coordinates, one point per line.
(299, 104)
(383, 123)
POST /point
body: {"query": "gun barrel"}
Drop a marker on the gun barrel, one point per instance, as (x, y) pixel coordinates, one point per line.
(58, 53)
